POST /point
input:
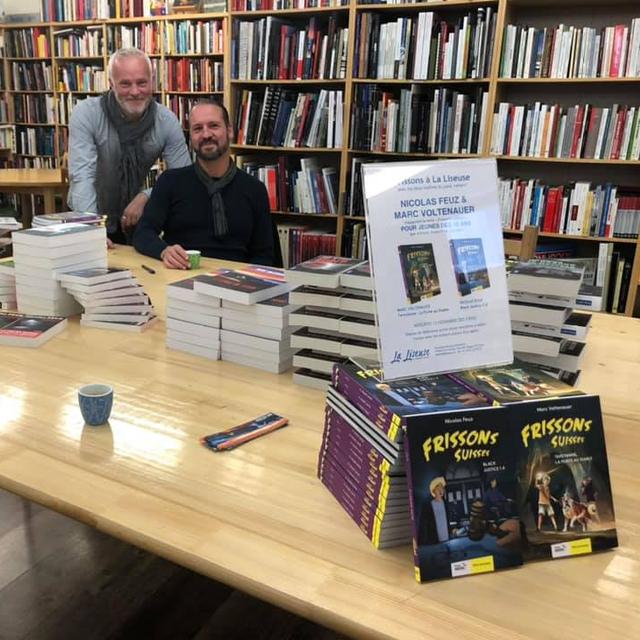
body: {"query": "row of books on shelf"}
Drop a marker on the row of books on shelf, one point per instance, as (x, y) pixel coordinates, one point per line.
(553, 131)
(76, 42)
(354, 241)
(72, 76)
(193, 75)
(32, 76)
(274, 49)
(424, 46)
(145, 36)
(280, 5)
(439, 121)
(310, 189)
(580, 209)
(282, 117)
(29, 108)
(571, 51)
(65, 10)
(194, 37)
(35, 141)
(7, 134)
(299, 243)
(28, 43)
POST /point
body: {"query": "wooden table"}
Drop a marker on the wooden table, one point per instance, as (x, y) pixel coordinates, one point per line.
(45, 182)
(257, 518)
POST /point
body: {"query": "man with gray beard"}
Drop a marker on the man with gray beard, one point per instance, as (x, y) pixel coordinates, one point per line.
(211, 205)
(115, 139)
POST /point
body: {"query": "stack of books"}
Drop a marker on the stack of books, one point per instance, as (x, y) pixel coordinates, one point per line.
(9, 223)
(336, 319)
(7, 284)
(112, 298)
(42, 253)
(255, 308)
(193, 320)
(545, 328)
(48, 219)
(362, 459)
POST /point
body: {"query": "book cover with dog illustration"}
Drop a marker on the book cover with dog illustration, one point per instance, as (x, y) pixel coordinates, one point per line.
(564, 490)
(469, 264)
(419, 272)
(463, 493)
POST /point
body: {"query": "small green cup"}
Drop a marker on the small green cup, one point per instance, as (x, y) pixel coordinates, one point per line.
(194, 259)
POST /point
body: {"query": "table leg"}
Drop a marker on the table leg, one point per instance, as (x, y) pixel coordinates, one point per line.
(26, 210)
(49, 200)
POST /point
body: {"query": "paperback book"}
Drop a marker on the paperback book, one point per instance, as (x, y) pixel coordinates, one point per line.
(21, 330)
(463, 493)
(250, 284)
(564, 489)
(469, 265)
(321, 271)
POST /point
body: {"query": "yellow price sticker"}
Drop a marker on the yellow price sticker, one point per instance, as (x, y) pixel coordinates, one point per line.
(571, 548)
(484, 564)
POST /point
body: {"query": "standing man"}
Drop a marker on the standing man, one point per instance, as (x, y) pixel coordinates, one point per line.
(211, 205)
(115, 139)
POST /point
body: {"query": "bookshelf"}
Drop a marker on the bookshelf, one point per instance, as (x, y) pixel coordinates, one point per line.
(468, 75)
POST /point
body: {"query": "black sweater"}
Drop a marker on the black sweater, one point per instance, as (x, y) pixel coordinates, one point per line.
(180, 208)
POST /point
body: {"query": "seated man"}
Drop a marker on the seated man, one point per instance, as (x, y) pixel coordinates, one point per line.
(210, 205)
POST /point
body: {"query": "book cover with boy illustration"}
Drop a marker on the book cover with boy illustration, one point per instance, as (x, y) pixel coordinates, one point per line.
(564, 490)
(419, 272)
(469, 265)
(463, 493)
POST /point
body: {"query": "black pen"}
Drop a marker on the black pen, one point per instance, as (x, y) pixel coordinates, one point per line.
(148, 269)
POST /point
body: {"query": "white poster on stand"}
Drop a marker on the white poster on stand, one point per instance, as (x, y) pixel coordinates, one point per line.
(437, 259)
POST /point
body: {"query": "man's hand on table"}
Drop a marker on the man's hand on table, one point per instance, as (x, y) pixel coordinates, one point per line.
(175, 257)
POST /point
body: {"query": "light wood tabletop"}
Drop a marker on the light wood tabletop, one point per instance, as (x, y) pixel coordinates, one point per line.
(257, 518)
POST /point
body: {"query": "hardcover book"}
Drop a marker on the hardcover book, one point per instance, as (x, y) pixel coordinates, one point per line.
(247, 285)
(469, 265)
(564, 491)
(419, 272)
(463, 493)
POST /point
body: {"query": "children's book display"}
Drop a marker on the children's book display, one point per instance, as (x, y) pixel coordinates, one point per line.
(481, 469)
(437, 261)
(43, 253)
(112, 298)
(545, 328)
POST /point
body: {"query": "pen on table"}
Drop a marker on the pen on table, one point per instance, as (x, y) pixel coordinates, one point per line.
(148, 269)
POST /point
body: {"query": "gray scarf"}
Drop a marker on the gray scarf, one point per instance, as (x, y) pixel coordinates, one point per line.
(123, 165)
(214, 186)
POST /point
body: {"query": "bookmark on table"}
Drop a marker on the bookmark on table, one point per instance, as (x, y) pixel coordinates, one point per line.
(234, 437)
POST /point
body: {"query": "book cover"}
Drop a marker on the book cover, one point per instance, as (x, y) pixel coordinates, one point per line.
(469, 265)
(512, 383)
(90, 277)
(247, 285)
(321, 271)
(22, 330)
(564, 489)
(463, 493)
(419, 272)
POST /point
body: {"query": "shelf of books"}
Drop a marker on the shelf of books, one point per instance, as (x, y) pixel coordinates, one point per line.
(568, 158)
(49, 67)
(316, 88)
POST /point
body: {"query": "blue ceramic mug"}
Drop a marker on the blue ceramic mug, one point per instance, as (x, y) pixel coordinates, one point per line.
(95, 402)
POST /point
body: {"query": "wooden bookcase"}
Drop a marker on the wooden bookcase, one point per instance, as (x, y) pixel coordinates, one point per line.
(537, 13)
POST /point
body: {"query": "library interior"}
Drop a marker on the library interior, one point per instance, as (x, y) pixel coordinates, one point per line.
(441, 355)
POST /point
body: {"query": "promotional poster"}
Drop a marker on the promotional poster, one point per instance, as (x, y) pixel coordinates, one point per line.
(437, 257)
